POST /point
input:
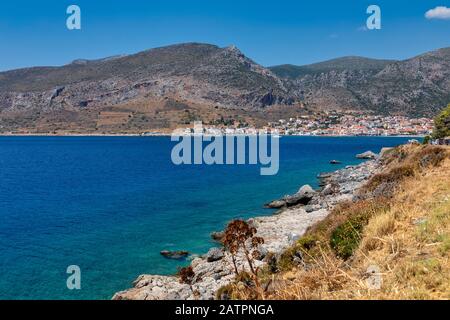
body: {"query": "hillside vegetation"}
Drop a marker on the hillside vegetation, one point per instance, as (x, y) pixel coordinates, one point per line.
(393, 243)
(336, 65)
(414, 87)
(442, 124)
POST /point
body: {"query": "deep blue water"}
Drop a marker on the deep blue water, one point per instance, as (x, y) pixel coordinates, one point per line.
(111, 204)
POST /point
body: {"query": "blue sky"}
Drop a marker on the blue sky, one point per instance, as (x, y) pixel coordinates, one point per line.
(270, 32)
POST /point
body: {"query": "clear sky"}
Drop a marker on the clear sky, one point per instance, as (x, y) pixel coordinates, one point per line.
(270, 32)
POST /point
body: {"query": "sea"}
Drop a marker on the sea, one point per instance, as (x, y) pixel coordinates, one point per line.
(109, 205)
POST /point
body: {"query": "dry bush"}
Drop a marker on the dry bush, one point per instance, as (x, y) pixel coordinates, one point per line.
(187, 276)
(378, 227)
(401, 163)
(240, 237)
(235, 238)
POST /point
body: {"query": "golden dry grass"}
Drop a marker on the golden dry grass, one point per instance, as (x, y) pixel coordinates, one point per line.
(409, 244)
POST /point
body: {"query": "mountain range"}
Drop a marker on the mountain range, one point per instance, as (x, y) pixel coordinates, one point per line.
(174, 85)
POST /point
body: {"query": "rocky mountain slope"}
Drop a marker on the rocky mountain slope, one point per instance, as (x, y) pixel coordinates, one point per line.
(195, 72)
(170, 86)
(415, 87)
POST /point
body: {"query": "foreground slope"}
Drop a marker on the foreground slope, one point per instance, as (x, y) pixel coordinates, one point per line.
(392, 243)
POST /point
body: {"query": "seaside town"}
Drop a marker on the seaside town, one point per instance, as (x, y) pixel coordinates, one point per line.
(334, 125)
(351, 125)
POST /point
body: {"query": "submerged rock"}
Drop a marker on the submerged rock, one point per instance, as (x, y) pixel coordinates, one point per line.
(176, 255)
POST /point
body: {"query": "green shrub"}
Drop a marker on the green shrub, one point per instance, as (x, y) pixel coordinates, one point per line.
(305, 249)
(286, 260)
(442, 124)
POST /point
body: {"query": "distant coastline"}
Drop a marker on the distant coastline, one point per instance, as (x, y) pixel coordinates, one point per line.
(169, 135)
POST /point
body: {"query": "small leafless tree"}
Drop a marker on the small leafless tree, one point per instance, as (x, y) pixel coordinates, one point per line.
(187, 276)
(236, 236)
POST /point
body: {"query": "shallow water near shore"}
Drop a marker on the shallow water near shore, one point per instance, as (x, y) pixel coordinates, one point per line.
(111, 204)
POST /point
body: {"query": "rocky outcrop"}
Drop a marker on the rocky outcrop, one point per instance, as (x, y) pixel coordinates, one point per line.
(215, 269)
(214, 254)
(367, 155)
(276, 204)
(217, 236)
(302, 197)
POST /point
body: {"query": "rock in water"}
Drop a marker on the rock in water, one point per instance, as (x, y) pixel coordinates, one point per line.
(176, 255)
(303, 196)
(214, 254)
(367, 155)
(277, 204)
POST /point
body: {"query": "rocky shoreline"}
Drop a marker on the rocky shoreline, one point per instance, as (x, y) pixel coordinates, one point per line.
(295, 215)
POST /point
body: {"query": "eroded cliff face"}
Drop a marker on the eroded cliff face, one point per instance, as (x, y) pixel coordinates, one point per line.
(193, 72)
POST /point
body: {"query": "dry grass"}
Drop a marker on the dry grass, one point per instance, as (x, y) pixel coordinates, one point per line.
(402, 163)
(403, 250)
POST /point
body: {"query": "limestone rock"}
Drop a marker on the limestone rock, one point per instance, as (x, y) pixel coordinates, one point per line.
(214, 254)
(367, 155)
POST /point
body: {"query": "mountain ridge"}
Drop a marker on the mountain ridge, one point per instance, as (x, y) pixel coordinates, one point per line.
(416, 86)
(202, 79)
(342, 63)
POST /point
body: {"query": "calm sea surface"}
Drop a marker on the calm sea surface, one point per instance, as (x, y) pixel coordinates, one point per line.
(111, 204)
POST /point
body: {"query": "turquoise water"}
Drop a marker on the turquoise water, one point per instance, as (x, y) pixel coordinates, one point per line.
(111, 204)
